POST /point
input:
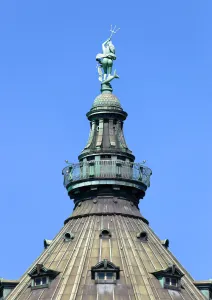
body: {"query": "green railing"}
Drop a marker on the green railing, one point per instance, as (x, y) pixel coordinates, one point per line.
(107, 169)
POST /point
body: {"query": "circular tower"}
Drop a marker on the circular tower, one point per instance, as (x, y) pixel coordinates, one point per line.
(106, 249)
(106, 166)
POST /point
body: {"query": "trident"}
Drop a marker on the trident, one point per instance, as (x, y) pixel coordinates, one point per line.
(113, 30)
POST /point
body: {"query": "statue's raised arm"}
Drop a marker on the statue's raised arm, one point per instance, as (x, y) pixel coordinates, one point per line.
(104, 45)
(106, 59)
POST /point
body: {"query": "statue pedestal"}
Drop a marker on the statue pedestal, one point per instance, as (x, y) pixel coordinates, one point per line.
(106, 88)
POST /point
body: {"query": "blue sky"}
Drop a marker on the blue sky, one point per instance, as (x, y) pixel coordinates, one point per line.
(48, 83)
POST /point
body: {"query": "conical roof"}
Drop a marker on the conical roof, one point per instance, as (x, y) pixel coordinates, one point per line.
(137, 260)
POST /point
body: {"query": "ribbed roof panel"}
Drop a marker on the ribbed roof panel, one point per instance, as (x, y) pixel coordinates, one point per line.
(137, 260)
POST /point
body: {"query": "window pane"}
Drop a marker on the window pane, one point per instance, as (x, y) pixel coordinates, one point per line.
(44, 280)
(109, 275)
(37, 281)
(167, 280)
(174, 281)
(101, 275)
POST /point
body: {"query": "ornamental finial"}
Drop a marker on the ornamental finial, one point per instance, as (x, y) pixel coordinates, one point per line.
(105, 60)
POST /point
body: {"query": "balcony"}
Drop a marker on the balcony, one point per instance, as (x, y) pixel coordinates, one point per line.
(106, 169)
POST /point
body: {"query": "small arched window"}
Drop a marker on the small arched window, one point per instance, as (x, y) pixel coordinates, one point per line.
(47, 243)
(105, 234)
(165, 243)
(68, 236)
(142, 236)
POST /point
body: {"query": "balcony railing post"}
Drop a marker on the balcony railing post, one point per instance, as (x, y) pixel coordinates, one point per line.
(113, 166)
(140, 173)
(70, 171)
(97, 166)
(84, 169)
(91, 169)
(118, 169)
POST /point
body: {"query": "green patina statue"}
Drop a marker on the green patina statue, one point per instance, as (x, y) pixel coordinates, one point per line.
(105, 60)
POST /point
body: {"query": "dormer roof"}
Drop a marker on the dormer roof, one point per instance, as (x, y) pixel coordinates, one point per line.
(40, 270)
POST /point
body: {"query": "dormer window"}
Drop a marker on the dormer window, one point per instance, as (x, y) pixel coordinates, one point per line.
(142, 236)
(68, 236)
(47, 243)
(40, 281)
(41, 276)
(105, 234)
(6, 286)
(165, 243)
(171, 282)
(105, 272)
(105, 276)
(169, 278)
(205, 287)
